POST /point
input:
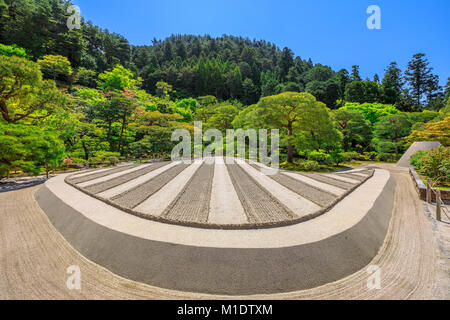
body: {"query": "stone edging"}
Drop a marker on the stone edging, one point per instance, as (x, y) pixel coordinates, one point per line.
(422, 188)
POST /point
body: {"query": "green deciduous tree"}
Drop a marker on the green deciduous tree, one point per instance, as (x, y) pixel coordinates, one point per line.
(296, 113)
(24, 95)
(13, 50)
(118, 79)
(55, 67)
(354, 127)
(29, 149)
(389, 132)
(371, 111)
(86, 77)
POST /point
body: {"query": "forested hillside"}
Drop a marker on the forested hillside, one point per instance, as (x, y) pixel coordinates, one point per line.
(88, 96)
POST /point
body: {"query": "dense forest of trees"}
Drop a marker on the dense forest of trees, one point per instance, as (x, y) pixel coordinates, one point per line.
(227, 67)
(97, 97)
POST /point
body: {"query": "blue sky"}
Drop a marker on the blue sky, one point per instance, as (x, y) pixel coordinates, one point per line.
(331, 32)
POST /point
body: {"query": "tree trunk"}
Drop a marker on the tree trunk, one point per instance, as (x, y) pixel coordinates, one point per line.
(86, 151)
(108, 134)
(121, 133)
(290, 148)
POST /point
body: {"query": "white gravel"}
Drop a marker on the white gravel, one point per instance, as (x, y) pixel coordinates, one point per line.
(225, 206)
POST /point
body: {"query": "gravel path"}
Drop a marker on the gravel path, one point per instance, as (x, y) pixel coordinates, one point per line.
(97, 188)
(319, 197)
(192, 204)
(101, 173)
(258, 204)
(137, 195)
(34, 258)
(328, 180)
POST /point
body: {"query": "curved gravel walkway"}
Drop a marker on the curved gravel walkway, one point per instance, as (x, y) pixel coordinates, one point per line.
(34, 258)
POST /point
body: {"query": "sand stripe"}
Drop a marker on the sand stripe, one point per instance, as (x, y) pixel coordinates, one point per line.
(134, 197)
(314, 183)
(192, 204)
(134, 183)
(225, 206)
(352, 176)
(80, 175)
(112, 176)
(100, 187)
(354, 170)
(158, 202)
(317, 184)
(100, 173)
(258, 204)
(294, 202)
(327, 180)
(341, 178)
(358, 174)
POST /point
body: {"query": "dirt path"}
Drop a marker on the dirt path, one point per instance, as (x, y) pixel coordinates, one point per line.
(34, 258)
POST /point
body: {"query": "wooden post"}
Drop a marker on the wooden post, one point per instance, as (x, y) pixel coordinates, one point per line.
(438, 205)
(428, 190)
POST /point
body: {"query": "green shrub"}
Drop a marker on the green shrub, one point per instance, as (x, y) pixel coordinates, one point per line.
(416, 159)
(351, 155)
(371, 155)
(339, 157)
(363, 157)
(386, 157)
(319, 156)
(13, 50)
(301, 165)
(435, 164)
(308, 165)
(105, 157)
(78, 160)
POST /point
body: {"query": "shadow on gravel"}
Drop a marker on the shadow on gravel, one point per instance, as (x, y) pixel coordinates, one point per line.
(20, 183)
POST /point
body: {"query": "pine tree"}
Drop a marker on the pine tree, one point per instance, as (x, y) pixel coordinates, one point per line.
(355, 73)
(420, 79)
(393, 77)
(376, 78)
(286, 62)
